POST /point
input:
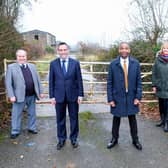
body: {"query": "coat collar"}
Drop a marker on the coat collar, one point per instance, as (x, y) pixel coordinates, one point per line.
(118, 60)
(131, 61)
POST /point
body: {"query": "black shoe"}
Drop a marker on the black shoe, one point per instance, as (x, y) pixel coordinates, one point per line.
(166, 127)
(160, 124)
(14, 136)
(60, 145)
(33, 131)
(74, 144)
(112, 143)
(137, 145)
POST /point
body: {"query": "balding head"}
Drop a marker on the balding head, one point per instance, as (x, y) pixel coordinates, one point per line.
(21, 56)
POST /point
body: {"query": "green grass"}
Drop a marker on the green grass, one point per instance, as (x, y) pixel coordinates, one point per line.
(91, 129)
(84, 122)
(2, 137)
(88, 57)
(86, 116)
(3, 134)
(44, 66)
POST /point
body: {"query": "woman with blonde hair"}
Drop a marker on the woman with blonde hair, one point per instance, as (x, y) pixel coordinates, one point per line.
(160, 84)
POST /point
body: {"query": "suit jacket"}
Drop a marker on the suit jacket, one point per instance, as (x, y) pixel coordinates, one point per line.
(71, 84)
(15, 83)
(116, 87)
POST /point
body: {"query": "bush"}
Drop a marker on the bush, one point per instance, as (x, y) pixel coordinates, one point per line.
(50, 50)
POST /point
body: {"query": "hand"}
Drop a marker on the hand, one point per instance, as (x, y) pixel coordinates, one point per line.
(154, 89)
(79, 100)
(12, 99)
(53, 101)
(136, 102)
(112, 104)
(42, 96)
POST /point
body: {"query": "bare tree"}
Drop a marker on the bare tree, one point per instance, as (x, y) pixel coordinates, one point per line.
(10, 39)
(149, 19)
(10, 9)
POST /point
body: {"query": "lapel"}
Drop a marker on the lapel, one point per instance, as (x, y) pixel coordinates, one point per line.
(130, 66)
(58, 66)
(19, 71)
(69, 68)
(118, 64)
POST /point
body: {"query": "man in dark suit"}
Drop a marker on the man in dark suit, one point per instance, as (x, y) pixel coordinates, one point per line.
(124, 92)
(23, 88)
(66, 89)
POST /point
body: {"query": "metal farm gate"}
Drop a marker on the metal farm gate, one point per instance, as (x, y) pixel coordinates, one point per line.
(94, 80)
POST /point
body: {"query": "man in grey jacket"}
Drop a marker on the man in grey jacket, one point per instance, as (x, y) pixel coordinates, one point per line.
(23, 88)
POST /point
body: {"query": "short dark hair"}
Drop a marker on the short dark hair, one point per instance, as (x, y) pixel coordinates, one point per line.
(63, 43)
(123, 42)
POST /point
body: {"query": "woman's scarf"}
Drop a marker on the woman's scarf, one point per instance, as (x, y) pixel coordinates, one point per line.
(164, 57)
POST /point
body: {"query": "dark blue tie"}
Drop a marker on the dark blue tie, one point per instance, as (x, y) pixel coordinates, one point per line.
(23, 66)
(63, 67)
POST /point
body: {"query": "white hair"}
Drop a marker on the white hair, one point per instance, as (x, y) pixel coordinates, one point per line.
(22, 51)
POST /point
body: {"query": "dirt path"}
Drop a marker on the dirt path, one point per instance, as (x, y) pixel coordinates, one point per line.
(39, 151)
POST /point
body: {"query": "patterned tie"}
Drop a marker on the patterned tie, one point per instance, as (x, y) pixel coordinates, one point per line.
(125, 75)
(63, 67)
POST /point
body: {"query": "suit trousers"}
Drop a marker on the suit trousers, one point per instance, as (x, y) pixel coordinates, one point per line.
(73, 109)
(17, 110)
(132, 124)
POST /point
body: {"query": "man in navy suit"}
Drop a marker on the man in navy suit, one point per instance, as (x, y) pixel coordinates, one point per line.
(124, 92)
(66, 89)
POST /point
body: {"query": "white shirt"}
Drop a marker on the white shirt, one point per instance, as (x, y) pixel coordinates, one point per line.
(66, 63)
(122, 62)
(25, 65)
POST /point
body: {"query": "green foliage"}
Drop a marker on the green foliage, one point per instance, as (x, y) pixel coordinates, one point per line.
(10, 40)
(49, 50)
(143, 50)
(113, 52)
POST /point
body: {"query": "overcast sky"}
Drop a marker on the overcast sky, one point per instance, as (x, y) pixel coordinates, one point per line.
(98, 21)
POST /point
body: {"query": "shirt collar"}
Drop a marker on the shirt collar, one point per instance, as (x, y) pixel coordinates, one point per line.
(67, 59)
(122, 60)
(25, 65)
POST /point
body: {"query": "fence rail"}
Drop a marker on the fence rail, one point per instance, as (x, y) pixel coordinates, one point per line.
(91, 82)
